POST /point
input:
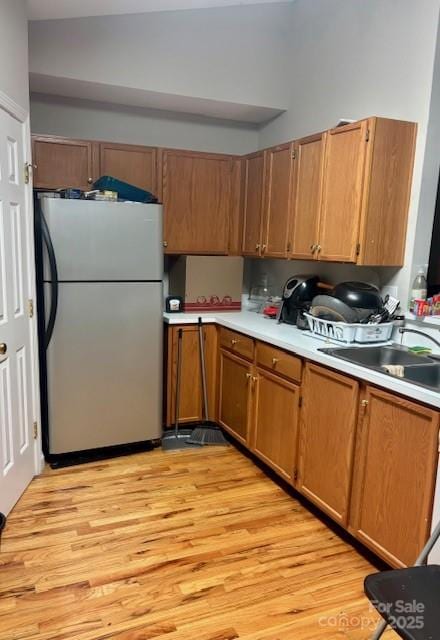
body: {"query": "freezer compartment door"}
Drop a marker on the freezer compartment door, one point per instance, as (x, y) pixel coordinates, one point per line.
(104, 366)
(104, 240)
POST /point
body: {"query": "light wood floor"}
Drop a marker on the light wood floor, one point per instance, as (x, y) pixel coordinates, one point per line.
(198, 545)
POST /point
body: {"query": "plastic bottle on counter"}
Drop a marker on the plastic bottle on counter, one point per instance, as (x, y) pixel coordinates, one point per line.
(419, 289)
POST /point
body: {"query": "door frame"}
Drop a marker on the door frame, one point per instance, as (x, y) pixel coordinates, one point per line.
(22, 116)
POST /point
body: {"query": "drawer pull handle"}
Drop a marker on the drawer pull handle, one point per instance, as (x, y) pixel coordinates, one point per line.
(275, 361)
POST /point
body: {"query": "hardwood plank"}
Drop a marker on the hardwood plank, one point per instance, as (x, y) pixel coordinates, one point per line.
(195, 544)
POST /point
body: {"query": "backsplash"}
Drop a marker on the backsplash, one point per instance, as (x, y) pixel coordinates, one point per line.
(279, 270)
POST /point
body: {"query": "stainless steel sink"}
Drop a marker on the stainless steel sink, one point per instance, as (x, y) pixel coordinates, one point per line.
(427, 375)
(377, 357)
(421, 370)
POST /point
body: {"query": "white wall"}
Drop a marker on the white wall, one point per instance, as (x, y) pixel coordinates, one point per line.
(14, 51)
(131, 125)
(233, 54)
(353, 59)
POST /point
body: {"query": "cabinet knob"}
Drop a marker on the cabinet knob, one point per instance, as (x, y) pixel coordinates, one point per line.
(313, 248)
(165, 243)
(3, 348)
(249, 376)
(275, 361)
(263, 248)
(289, 247)
(318, 248)
(234, 342)
(364, 403)
(257, 247)
(90, 180)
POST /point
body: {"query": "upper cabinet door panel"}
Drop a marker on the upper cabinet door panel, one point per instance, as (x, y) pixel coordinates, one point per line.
(253, 202)
(61, 163)
(133, 164)
(308, 166)
(342, 192)
(197, 194)
(278, 183)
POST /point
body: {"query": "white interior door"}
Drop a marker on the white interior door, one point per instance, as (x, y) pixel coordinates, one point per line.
(17, 464)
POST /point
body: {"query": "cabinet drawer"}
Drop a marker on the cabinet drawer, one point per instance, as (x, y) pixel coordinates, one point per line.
(237, 343)
(279, 361)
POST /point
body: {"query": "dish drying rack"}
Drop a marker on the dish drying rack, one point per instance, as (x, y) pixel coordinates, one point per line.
(348, 333)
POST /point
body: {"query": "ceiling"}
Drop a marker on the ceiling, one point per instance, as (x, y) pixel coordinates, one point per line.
(53, 9)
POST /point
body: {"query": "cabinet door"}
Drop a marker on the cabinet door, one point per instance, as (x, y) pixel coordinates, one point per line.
(61, 162)
(130, 163)
(275, 422)
(306, 197)
(327, 433)
(344, 164)
(253, 175)
(278, 186)
(395, 470)
(191, 403)
(197, 197)
(235, 395)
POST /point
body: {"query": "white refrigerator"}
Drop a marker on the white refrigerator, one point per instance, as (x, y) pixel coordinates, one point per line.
(101, 340)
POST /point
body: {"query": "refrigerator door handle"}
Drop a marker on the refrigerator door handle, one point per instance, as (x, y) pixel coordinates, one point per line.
(53, 279)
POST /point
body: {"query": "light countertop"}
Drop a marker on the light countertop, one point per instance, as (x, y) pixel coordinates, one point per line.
(292, 339)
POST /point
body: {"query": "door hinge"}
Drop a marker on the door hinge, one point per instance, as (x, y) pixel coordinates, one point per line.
(358, 248)
(295, 475)
(300, 401)
(35, 430)
(30, 308)
(367, 135)
(27, 172)
(294, 155)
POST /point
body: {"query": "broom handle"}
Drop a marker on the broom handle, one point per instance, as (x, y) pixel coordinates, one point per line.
(178, 375)
(203, 369)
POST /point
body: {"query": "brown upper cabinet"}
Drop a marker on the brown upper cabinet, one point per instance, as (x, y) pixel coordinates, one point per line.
(338, 196)
(197, 194)
(62, 162)
(277, 201)
(365, 192)
(253, 200)
(130, 163)
(344, 163)
(306, 197)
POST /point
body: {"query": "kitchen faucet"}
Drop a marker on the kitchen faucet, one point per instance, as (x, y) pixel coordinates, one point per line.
(403, 330)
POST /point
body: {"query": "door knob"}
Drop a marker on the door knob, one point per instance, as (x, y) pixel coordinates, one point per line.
(3, 348)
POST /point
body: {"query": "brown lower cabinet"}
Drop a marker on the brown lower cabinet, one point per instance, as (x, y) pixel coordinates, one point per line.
(275, 422)
(191, 403)
(394, 476)
(327, 435)
(366, 457)
(236, 388)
